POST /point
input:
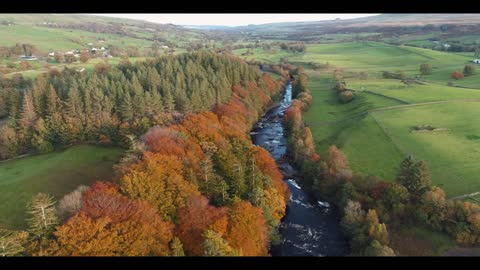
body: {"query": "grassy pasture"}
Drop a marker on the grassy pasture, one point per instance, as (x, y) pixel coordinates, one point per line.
(55, 173)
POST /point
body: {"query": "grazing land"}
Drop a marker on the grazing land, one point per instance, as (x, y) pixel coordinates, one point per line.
(55, 173)
(374, 129)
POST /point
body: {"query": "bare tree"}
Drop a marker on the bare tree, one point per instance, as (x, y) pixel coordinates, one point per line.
(71, 202)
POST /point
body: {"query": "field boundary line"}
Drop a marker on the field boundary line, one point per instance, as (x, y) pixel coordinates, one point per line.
(385, 131)
(387, 97)
(465, 195)
(423, 104)
(418, 53)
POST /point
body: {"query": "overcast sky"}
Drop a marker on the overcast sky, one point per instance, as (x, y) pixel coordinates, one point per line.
(234, 19)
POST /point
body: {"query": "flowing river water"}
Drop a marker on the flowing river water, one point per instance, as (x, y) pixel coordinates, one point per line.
(310, 227)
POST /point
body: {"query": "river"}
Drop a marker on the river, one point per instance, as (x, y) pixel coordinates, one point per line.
(310, 227)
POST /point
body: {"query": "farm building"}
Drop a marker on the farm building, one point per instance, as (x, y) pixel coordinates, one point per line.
(476, 61)
(51, 54)
(164, 47)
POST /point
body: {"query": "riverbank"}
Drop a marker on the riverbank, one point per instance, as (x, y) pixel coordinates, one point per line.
(308, 228)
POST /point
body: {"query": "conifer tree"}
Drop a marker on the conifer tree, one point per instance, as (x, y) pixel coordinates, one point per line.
(43, 219)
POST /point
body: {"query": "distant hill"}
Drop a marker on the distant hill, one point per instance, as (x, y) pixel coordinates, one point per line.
(452, 25)
(67, 31)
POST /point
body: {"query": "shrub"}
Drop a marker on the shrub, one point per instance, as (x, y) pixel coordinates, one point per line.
(469, 70)
(346, 96)
(425, 69)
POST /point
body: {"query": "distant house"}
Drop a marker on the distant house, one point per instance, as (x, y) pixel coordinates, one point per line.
(94, 50)
(69, 53)
(52, 54)
(446, 46)
(476, 61)
(164, 47)
(102, 48)
(90, 44)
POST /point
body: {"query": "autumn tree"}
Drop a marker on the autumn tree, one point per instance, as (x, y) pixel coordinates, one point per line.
(377, 231)
(215, 245)
(59, 57)
(158, 180)
(337, 167)
(84, 56)
(432, 209)
(194, 219)
(247, 230)
(111, 224)
(457, 75)
(8, 142)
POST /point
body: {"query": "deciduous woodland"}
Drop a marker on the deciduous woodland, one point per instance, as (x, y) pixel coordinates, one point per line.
(374, 209)
(191, 183)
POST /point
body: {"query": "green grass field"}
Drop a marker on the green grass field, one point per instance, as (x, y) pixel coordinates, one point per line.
(376, 141)
(413, 93)
(55, 173)
(46, 39)
(375, 57)
(89, 66)
(451, 155)
(351, 128)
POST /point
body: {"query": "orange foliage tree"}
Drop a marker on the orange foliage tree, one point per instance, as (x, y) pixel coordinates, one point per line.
(158, 179)
(247, 230)
(195, 219)
(111, 224)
